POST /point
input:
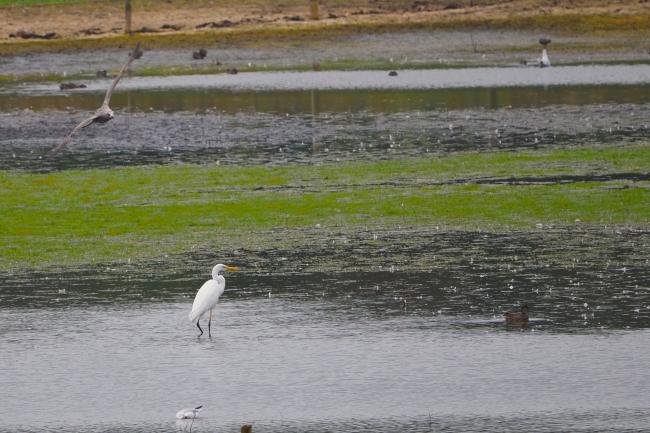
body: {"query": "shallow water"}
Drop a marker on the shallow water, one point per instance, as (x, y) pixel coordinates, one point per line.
(277, 127)
(313, 335)
(380, 80)
(331, 349)
(285, 365)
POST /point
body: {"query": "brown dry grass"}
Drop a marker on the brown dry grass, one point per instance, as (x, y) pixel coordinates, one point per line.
(256, 19)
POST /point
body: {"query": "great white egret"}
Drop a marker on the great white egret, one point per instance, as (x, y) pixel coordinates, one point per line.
(208, 296)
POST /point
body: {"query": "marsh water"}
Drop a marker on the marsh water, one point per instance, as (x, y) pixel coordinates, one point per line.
(319, 339)
(365, 330)
(256, 122)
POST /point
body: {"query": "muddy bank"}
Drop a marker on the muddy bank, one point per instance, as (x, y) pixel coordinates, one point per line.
(158, 137)
(385, 126)
(177, 23)
(406, 49)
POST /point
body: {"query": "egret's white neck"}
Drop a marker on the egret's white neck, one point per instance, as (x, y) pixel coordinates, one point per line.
(215, 273)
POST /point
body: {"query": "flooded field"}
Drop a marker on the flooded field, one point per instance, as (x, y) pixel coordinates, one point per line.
(318, 338)
(252, 126)
(347, 328)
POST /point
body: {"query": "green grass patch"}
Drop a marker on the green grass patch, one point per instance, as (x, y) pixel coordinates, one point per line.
(76, 217)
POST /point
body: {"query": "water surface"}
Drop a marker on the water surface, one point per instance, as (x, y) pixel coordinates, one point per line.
(279, 127)
(383, 330)
(317, 338)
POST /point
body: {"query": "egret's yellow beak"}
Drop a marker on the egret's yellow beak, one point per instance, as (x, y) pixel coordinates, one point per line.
(231, 268)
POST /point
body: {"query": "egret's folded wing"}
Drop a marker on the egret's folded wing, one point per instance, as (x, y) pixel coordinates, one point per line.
(206, 298)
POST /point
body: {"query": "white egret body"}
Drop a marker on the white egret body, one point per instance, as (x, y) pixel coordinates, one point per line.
(208, 296)
(188, 413)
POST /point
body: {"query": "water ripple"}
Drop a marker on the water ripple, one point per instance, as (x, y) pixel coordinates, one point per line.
(573, 278)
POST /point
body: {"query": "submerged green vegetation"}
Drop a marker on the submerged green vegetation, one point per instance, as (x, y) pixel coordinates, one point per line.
(76, 217)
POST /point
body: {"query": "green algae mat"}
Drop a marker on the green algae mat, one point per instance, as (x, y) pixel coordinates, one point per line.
(77, 217)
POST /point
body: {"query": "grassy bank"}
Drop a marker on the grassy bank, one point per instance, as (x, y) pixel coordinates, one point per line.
(76, 217)
(282, 33)
(263, 35)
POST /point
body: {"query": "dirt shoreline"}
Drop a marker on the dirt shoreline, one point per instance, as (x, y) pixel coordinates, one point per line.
(179, 23)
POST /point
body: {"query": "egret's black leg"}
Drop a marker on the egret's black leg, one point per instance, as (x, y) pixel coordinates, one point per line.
(199, 326)
(209, 322)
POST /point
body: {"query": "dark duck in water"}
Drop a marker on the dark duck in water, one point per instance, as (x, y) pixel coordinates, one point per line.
(517, 318)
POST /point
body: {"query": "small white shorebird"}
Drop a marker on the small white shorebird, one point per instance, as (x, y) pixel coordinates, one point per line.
(103, 113)
(208, 296)
(188, 413)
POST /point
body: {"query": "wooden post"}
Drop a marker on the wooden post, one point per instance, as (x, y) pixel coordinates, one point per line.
(313, 6)
(127, 13)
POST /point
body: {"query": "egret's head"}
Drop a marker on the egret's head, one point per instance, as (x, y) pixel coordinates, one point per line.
(110, 114)
(218, 268)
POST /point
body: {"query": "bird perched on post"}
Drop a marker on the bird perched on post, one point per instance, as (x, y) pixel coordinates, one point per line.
(208, 296)
(103, 113)
(544, 60)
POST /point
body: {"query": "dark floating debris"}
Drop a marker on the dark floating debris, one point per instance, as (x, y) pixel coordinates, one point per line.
(145, 30)
(170, 27)
(452, 6)
(215, 25)
(200, 54)
(91, 31)
(392, 74)
(544, 41)
(420, 6)
(294, 18)
(232, 71)
(102, 73)
(70, 86)
(31, 35)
